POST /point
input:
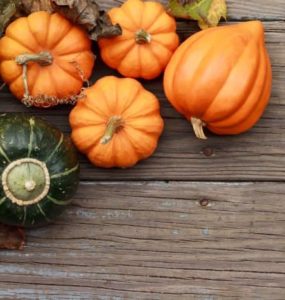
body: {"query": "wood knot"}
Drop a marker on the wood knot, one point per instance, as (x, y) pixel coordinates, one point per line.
(204, 202)
(208, 151)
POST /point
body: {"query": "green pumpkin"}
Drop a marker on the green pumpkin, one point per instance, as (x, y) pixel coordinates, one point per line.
(39, 170)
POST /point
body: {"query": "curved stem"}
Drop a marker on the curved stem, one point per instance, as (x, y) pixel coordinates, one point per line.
(198, 126)
(43, 58)
(113, 125)
(143, 37)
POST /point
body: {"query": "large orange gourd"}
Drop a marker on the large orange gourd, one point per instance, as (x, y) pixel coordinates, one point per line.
(44, 59)
(147, 43)
(117, 124)
(221, 78)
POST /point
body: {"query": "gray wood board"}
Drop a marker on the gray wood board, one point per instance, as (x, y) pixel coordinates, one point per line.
(153, 240)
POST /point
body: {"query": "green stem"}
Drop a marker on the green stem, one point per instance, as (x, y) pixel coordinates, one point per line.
(112, 127)
(143, 37)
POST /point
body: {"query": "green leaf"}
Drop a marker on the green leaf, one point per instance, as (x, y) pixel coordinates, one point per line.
(207, 12)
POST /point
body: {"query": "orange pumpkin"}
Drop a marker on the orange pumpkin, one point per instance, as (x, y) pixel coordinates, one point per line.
(221, 78)
(44, 59)
(117, 124)
(147, 42)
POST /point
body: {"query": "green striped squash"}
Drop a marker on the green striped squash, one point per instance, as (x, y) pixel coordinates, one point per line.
(39, 170)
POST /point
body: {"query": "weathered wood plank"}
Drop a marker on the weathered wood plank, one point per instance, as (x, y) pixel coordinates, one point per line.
(261, 9)
(157, 240)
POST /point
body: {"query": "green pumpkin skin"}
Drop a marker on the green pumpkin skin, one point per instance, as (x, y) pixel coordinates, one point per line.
(24, 140)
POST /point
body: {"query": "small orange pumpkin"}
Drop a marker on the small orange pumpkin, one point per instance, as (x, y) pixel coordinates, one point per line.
(147, 42)
(117, 124)
(44, 59)
(221, 78)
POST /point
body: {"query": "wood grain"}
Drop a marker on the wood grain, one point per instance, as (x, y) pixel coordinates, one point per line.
(242, 9)
(176, 240)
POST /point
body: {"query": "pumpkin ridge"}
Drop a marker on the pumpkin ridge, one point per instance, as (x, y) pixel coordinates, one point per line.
(19, 44)
(60, 39)
(239, 127)
(155, 18)
(241, 106)
(30, 145)
(59, 202)
(65, 173)
(131, 102)
(31, 31)
(105, 98)
(126, 55)
(181, 58)
(226, 80)
(138, 155)
(43, 213)
(126, 139)
(30, 50)
(47, 31)
(154, 54)
(127, 116)
(2, 200)
(129, 15)
(91, 107)
(56, 148)
(15, 78)
(126, 52)
(3, 153)
(54, 82)
(67, 72)
(154, 23)
(94, 143)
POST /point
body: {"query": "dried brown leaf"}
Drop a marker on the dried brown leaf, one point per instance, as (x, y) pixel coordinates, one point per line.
(87, 14)
(30, 6)
(11, 238)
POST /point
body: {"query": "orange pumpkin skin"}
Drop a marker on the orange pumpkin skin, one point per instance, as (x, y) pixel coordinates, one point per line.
(68, 45)
(137, 124)
(147, 42)
(221, 78)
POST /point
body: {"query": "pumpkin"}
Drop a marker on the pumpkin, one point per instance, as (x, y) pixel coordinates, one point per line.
(39, 170)
(147, 42)
(117, 124)
(45, 59)
(221, 78)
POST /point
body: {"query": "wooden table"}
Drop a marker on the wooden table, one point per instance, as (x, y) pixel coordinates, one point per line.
(199, 220)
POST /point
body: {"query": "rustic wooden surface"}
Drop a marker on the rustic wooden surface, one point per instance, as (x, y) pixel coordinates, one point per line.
(199, 220)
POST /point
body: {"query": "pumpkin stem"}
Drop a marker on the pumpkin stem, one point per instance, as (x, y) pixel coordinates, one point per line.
(198, 128)
(143, 37)
(113, 125)
(43, 58)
